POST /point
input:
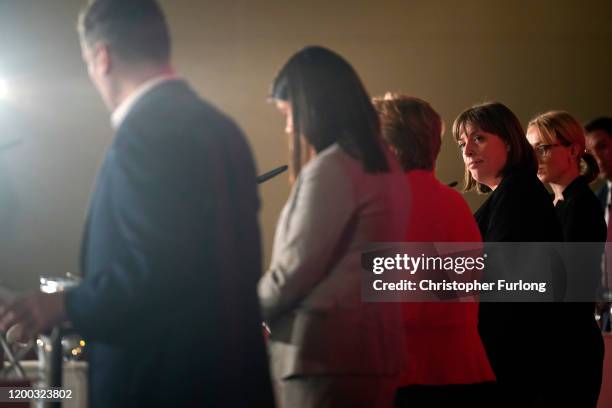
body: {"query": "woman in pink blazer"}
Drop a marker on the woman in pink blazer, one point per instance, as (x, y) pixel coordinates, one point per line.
(446, 362)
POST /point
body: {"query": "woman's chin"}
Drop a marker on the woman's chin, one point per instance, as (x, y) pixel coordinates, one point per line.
(480, 178)
(544, 177)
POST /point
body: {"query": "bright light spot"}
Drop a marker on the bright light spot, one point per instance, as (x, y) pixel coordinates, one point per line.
(82, 343)
(3, 89)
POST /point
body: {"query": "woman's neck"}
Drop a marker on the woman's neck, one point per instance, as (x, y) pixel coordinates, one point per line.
(561, 184)
(493, 183)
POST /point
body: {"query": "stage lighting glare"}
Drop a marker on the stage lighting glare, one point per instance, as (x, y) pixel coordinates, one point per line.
(3, 89)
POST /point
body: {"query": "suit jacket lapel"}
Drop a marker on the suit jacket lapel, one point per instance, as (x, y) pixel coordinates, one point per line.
(602, 194)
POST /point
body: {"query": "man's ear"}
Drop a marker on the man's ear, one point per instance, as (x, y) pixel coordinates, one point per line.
(102, 58)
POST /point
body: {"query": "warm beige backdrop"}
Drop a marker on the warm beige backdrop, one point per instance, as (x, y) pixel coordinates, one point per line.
(531, 55)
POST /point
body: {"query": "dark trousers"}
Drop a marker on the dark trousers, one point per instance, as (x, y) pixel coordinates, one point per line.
(553, 362)
(479, 395)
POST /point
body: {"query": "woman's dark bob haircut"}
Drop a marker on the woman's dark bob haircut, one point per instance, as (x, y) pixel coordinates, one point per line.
(496, 118)
(330, 105)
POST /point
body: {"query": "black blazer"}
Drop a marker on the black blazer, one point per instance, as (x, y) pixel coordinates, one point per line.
(580, 213)
(516, 335)
(171, 258)
(519, 210)
(602, 196)
(582, 220)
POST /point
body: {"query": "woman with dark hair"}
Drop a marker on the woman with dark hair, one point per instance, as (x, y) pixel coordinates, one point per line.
(559, 142)
(327, 347)
(499, 160)
(446, 364)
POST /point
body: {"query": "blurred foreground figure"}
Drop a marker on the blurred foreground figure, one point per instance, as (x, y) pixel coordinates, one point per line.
(446, 363)
(599, 144)
(328, 347)
(171, 250)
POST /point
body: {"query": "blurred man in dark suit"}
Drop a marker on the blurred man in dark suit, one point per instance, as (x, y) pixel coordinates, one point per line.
(599, 144)
(171, 248)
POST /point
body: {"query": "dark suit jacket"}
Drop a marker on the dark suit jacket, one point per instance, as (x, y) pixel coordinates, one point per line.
(580, 213)
(516, 336)
(519, 210)
(582, 220)
(171, 257)
(602, 195)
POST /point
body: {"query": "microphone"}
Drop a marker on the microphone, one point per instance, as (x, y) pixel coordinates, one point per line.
(272, 173)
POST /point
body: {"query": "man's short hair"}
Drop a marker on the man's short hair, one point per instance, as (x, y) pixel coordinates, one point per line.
(602, 123)
(135, 30)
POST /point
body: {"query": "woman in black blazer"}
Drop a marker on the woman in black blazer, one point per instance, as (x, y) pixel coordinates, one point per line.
(499, 161)
(559, 142)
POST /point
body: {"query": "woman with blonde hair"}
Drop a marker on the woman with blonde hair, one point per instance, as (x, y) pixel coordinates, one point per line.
(558, 140)
(559, 143)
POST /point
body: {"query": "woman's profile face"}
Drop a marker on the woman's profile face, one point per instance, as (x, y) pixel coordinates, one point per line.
(554, 159)
(297, 145)
(284, 107)
(484, 155)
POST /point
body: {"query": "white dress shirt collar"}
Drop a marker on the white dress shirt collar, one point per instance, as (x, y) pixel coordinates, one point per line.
(120, 113)
(607, 208)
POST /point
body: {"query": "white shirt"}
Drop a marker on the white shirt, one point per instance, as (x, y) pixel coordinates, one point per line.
(608, 202)
(120, 113)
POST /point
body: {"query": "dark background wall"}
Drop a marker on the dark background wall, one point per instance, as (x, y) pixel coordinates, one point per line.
(531, 55)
